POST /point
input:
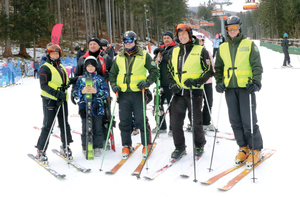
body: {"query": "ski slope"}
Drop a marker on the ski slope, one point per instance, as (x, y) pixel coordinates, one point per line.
(277, 108)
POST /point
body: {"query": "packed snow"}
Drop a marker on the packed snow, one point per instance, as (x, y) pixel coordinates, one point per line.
(277, 108)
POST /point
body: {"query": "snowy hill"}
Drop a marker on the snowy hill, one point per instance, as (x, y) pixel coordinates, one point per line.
(277, 109)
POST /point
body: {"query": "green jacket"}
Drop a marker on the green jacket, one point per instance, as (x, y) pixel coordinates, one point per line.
(255, 62)
(152, 69)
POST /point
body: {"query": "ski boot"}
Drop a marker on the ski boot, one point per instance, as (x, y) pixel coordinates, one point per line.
(209, 127)
(97, 152)
(257, 158)
(289, 66)
(144, 150)
(199, 151)
(126, 151)
(242, 155)
(41, 156)
(178, 153)
(66, 152)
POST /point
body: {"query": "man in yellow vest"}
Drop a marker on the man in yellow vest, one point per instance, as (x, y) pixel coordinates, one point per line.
(54, 82)
(189, 69)
(128, 76)
(238, 73)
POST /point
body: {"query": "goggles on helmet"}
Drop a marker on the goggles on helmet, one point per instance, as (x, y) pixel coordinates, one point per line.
(232, 28)
(128, 40)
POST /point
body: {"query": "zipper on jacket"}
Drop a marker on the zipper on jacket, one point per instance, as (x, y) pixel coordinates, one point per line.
(182, 64)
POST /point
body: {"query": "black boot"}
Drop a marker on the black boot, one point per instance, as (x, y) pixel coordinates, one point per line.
(178, 153)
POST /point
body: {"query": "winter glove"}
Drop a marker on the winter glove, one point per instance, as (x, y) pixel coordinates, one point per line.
(143, 84)
(106, 75)
(220, 87)
(61, 95)
(116, 89)
(175, 88)
(158, 50)
(192, 82)
(253, 87)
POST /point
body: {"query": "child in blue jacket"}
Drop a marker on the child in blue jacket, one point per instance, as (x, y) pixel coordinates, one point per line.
(100, 91)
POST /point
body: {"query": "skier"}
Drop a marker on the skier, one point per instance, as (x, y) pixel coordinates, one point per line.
(102, 69)
(216, 44)
(128, 76)
(5, 72)
(189, 69)
(100, 92)
(208, 90)
(285, 47)
(80, 53)
(35, 66)
(165, 49)
(54, 82)
(104, 53)
(237, 62)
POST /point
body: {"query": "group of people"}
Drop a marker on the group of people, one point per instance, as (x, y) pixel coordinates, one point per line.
(184, 69)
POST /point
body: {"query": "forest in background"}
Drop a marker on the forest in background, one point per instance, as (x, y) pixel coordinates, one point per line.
(29, 22)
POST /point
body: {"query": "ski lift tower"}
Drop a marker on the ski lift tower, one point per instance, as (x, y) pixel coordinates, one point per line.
(221, 3)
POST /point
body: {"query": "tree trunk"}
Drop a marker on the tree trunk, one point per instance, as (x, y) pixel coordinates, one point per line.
(7, 51)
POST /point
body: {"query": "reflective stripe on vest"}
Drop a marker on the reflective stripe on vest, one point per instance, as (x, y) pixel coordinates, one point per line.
(56, 80)
(242, 68)
(191, 68)
(138, 72)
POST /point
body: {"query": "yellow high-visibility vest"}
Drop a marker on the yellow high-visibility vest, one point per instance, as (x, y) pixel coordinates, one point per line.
(56, 80)
(138, 72)
(242, 68)
(191, 68)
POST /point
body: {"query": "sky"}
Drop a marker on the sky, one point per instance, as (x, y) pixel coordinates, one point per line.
(237, 5)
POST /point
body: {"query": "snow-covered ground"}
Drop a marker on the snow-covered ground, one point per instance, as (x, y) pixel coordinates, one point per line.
(277, 108)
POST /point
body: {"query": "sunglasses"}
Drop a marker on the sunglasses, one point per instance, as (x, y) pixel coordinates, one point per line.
(125, 41)
(232, 28)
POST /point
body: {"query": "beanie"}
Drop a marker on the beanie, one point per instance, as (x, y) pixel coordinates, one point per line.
(168, 33)
(91, 60)
(95, 39)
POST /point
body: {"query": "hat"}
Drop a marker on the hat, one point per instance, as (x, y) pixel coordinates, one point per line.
(168, 33)
(91, 60)
(95, 39)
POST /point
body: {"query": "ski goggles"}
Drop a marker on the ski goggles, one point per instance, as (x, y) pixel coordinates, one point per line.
(127, 40)
(232, 28)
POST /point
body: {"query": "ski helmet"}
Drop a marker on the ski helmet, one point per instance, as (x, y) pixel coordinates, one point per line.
(200, 36)
(53, 48)
(285, 35)
(233, 20)
(91, 60)
(104, 43)
(130, 35)
(183, 27)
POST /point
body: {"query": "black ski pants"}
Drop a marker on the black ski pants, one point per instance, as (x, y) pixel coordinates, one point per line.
(132, 103)
(167, 94)
(97, 128)
(286, 57)
(49, 109)
(179, 106)
(207, 108)
(239, 116)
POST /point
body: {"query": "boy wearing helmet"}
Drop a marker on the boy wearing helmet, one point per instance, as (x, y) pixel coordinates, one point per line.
(189, 69)
(100, 91)
(238, 73)
(128, 77)
(54, 82)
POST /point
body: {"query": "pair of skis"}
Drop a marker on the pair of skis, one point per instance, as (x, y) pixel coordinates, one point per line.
(137, 171)
(266, 153)
(54, 172)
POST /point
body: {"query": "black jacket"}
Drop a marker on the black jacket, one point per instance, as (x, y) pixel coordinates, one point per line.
(285, 44)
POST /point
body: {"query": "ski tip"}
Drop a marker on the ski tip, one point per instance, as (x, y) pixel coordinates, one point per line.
(109, 172)
(224, 188)
(148, 178)
(184, 176)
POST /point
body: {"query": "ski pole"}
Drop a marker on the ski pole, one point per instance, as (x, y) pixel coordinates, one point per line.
(193, 132)
(251, 126)
(151, 147)
(215, 137)
(157, 94)
(144, 116)
(109, 129)
(50, 131)
(65, 131)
